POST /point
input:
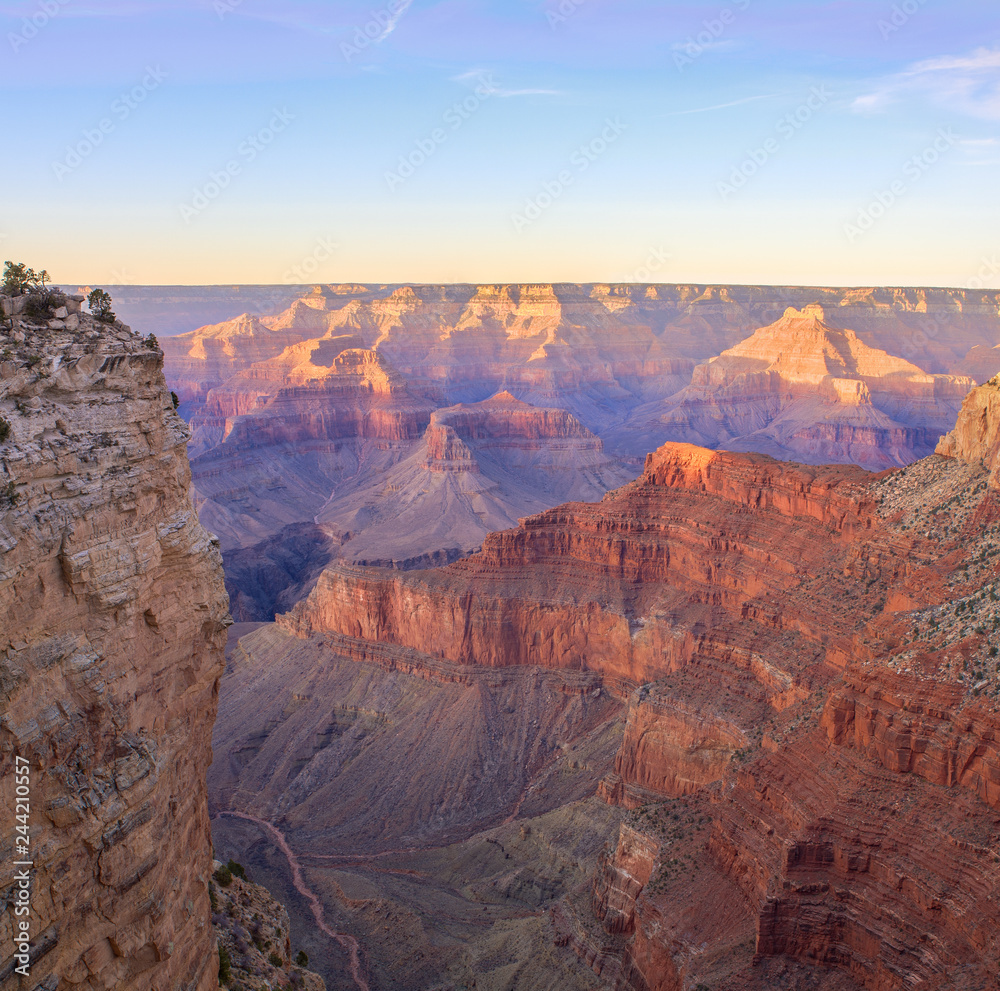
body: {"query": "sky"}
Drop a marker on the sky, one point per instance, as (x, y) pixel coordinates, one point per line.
(853, 142)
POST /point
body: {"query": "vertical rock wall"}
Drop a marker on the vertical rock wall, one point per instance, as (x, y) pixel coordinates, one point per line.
(112, 633)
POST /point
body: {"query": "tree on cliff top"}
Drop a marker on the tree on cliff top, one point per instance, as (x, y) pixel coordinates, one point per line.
(99, 302)
(19, 279)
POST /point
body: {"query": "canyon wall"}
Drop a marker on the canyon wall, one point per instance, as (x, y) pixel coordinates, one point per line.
(111, 649)
(811, 694)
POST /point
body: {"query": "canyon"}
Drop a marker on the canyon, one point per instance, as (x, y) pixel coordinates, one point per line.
(510, 702)
(336, 417)
(733, 726)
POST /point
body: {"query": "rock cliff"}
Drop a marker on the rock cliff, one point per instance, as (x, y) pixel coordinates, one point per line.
(800, 389)
(976, 437)
(806, 666)
(111, 649)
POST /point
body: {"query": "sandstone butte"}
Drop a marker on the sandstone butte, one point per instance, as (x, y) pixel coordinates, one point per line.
(112, 639)
(807, 660)
(801, 389)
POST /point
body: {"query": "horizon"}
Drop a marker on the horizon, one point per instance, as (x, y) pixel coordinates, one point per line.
(444, 142)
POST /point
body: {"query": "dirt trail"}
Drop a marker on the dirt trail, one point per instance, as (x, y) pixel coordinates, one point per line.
(348, 942)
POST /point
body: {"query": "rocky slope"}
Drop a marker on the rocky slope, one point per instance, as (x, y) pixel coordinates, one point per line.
(802, 390)
(111, 649)
(254, 932)
(801, 662)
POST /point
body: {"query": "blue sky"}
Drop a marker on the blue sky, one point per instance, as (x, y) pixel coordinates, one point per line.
(755, 141)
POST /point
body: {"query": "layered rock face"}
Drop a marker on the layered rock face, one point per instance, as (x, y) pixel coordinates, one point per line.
(801, 389)
(976, 437)
(477, 469)
(592, 342)
(812, 702)
(111, 649)
(321, 416)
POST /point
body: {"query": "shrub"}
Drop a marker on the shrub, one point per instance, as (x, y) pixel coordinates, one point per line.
(234, 868)
(40, 304)
(274, 960)
(100, 306)
(174, 399)
(151, 342)
(9, 494)
(19, 279)
(4, 429)
(225, 965)
(224, 876)
(213, 898)
(302, 958)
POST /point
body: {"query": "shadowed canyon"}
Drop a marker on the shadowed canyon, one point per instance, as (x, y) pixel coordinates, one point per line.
(513, 702)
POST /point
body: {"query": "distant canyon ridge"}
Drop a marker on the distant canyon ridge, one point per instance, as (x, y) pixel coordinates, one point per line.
(398, 425)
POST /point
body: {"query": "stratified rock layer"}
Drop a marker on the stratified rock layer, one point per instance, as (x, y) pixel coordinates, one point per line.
(111, 646)
(802, 389)
(976, 437)
(806, 654)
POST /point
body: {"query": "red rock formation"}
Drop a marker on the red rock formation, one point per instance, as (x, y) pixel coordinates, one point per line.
(813, 651)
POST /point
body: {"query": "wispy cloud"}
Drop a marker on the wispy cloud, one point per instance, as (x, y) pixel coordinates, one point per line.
(394, 20)
(483, 77)
(719, 106)
(966, 84)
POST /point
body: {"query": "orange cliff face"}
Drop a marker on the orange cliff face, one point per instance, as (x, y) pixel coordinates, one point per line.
(716, 534)
(805, 656)
(802, 389)
(976, 437)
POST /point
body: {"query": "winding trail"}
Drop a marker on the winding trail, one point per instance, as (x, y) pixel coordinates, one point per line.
(348, 942)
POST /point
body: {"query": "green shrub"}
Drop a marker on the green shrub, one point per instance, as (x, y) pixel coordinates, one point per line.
(174, 399)
(275, 960)
(151, 342)
(225, 965)
(19, 279)
(237, 870)
(100, 306)
(213, 897)
(9, 494)
(40, 304)
(302, 958)
(224, 876)
(4, 429)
